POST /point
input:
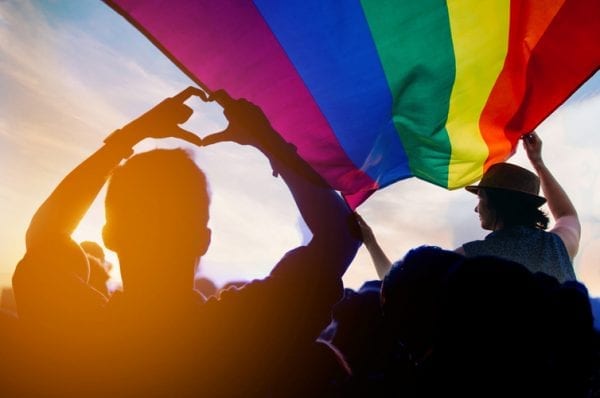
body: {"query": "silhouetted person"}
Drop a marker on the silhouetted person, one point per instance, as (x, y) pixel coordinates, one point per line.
(232, 285)
(94, 249)
(357, 331)
(99, 267)
(411, 299)
(505, 332)
(386, 329)
(14, 365)
(319, 370)
(508, 206)
(7, 300)
(205, 286)
(484, 326)
(161, 338)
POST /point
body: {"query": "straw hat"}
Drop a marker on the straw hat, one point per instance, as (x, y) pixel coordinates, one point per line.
(510, 177)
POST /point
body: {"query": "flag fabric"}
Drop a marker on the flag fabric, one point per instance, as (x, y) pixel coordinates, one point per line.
(375, 91)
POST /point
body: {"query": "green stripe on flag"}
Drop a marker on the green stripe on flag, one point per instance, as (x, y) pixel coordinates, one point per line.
(415, 48)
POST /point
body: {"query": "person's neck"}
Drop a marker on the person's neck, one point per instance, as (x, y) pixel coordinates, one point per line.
(151, 277)
(498, 225)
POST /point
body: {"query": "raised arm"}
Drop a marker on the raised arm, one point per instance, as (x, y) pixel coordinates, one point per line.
(50, 282)
(60, 214)
(324, 211)
(380, 260)
(567, 224)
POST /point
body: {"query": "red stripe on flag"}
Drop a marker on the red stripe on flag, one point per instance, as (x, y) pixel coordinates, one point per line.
(567, 55)
(537, 80)
(528, 22)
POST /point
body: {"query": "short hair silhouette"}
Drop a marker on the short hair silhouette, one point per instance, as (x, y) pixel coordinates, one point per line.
(411, 295)
(157, 208)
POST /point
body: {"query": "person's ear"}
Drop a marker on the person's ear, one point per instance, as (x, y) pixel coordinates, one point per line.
(204, 242)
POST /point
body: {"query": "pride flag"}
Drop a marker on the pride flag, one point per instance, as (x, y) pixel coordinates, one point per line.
(375, 91)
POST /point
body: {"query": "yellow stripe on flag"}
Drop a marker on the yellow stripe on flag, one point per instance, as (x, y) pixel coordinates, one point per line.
(480, 39)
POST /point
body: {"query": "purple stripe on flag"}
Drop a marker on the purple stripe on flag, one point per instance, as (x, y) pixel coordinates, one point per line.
(227, 44)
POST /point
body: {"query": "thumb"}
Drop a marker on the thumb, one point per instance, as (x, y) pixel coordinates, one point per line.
(182, 113)
(182, 134)
(172, 110)
(222, 97)
(217, 137)
(188, 92)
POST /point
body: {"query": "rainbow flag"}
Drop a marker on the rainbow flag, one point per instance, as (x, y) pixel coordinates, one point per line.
(375, 91)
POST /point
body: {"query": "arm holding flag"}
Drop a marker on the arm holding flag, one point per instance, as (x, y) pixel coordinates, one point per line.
(324, 211)
(567, 224)
(380, 259)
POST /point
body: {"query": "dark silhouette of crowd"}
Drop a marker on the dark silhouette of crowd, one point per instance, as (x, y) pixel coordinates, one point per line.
(438, 324)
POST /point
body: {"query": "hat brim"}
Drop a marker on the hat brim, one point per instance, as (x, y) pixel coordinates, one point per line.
(538, 200)
(472, 188)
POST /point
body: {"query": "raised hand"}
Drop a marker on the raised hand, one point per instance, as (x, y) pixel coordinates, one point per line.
(366, 232)
(533, 147)
(248, 125)
(162, 121)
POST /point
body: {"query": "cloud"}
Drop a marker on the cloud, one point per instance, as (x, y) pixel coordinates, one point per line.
(68, 82)
(411, 213)
(62, 92)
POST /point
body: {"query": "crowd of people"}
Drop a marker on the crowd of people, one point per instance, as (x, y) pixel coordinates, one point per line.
(474, 322)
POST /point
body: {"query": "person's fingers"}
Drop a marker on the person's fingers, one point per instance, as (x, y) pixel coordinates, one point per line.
(178, 132)
(216, 137)
(170, 109)
(182, 113)
(222, 98)
(365, 229)
(528, 137)
(188, 92)
(359, 218)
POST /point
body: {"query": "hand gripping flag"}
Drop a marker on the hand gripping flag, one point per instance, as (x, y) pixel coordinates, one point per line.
(375, 91)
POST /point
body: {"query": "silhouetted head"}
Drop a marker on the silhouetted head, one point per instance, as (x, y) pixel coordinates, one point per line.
(93, 248)
(501, 208)
(156, 216)
(509, 196)
(205, 286)
(524, 334)
(410, 296)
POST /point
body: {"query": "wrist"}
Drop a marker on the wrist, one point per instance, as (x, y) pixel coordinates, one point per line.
(121, 141)
(270, 142)
(280, 154)
(538, 165)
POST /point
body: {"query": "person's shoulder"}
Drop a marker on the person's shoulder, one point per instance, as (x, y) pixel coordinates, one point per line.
(568, 229)
(559, 243)
(304, 262)
(52, 260)
(468, 246)
(236, 296)
(491, 242)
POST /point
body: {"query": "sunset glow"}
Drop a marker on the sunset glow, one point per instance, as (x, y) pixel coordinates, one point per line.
(72, 72)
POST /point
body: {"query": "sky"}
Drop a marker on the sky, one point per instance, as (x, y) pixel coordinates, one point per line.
(73, 71)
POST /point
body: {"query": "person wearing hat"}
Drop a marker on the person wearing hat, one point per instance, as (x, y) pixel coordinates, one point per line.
(509, 205)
